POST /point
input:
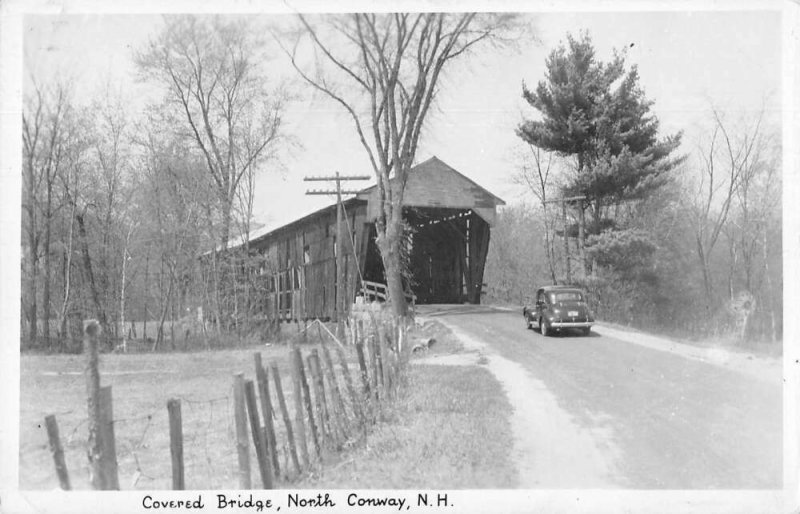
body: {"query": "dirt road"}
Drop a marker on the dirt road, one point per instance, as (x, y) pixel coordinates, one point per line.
(601, 412)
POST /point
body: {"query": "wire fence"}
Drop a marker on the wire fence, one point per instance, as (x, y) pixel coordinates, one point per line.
(302, 411)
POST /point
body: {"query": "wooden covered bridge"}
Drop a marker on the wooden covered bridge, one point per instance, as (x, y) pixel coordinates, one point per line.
(450, 216)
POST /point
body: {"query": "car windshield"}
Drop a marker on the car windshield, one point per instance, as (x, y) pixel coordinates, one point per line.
(566, 296)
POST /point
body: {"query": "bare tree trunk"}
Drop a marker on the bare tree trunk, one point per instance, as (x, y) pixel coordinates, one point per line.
(33, 267)
(146, 293)
(161, 303)
(548, 241)
(125, 257)
(172, 322)
(47, 263)
(768, 280)
(62, 321)
(163, 317)
(215, 278)
(122, 302)
(235, 283)
(734, 258)
(87, 264)
(703, 258)
(389, 244)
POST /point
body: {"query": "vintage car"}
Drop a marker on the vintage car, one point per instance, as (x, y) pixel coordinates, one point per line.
(558, 308)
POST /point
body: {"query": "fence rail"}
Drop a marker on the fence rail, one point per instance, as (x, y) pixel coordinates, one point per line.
(375, 291)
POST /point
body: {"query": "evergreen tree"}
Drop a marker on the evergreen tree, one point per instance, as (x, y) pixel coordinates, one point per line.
(597, 113)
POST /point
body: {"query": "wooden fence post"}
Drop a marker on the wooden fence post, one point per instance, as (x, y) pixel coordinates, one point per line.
(58, 452)
(176, 443)
(382, 353)
(108, 454)
(258, 435)
(374, 364)
(338, 408)
(298, 406)
(91, 334)
(319, 398)
(240, 419)
(328, 400)
(266, 408)
(286, 420)
(362, 364)
(307, 400)
(348, 380)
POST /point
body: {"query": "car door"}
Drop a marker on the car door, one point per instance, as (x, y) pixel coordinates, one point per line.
(539, 303)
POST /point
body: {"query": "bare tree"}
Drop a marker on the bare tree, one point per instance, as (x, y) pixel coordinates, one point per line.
(755, 211)
(393, 64)
(172, 197)
(72, 182)
(210, 68)
(537, 179)
(111, 199)
(46, 115)
(726, 159)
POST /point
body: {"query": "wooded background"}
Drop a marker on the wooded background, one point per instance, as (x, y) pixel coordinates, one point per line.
(122, 215)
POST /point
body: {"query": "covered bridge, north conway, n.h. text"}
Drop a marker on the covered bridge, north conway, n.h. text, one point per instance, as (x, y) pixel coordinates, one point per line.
(449, 216)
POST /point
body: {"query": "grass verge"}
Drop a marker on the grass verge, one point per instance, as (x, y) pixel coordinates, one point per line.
(450, 430)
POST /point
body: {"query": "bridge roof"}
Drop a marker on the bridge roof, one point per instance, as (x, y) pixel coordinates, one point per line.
(433, 183)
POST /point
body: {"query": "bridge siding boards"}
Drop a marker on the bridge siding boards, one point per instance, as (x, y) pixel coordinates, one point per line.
(452, 216)
(303, 254)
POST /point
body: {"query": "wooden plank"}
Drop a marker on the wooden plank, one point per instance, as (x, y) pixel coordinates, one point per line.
(374, 358)
(348, 380)
(365, 381)
(296, 361)
(383, 352)
(340, 412)
(307, 401)
(109, 451)
(267, 412)
(286, 420)
(176, 443)
(258, 435)
(91, 334)
(319, 396)
(58, 452)
(329, 399)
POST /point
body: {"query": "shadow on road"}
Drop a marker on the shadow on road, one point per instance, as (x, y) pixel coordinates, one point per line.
(568, 334)
(457, 310)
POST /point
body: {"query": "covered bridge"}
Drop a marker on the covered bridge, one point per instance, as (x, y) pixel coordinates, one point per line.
(450, 216)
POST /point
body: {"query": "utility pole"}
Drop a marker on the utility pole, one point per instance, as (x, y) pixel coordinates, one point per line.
(340, 307)
(563, 202)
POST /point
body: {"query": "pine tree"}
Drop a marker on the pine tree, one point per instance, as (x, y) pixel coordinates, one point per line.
(597, 113)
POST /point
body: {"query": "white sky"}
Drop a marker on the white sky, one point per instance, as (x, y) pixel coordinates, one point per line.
(686, 61)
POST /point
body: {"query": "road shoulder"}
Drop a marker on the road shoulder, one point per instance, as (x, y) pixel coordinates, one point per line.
(762, 368)
(550, 449)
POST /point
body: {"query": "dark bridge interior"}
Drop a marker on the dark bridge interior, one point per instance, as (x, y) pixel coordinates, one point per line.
(447, 252)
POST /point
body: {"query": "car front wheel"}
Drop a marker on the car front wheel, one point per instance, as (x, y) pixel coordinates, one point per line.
(544, 327)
